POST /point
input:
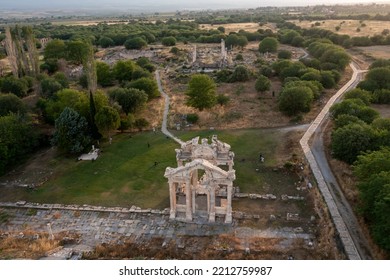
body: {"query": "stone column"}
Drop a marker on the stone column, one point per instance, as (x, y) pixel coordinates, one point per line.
(172, 198)
(212, 204)
(188, 201)
(228, 217)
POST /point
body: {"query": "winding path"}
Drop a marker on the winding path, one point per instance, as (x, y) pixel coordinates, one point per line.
(342, 215)
(166, 109)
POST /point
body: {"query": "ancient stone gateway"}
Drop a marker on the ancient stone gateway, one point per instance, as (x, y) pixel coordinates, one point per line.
(202, 184)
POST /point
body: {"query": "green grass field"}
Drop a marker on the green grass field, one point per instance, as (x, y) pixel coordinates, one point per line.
(125, 174)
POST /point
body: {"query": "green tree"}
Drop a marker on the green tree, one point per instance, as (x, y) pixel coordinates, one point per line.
(169, 41)
(107, 119)
(136, 43)
(358, 93)
(294, 100)
(55, 49)
(149, 86)
(262, 84)
(17, 138)
(71, 135)
(130, 99)
(268, 44)
(201, 92)
(240, 74)
(11, 104)
(106, 42)
(49, 86)
(73, 99)
(77, 51)
(284, 54)
(354, 107)
(91, 121)
(343, 120)
(123, 70)
(19, 87)
(328, 79)
(379, 78)
(105, 76)
(351, 140)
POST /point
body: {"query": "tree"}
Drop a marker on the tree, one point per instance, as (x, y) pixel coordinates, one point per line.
(169, 41)
(136, 43)
(130, 99)
(149, 86)
(201, 92)
(268, 44)
(91, 121)
(379, 78)
(123, 70)
(343, 120)
(221, 29)
(19, 87)
(351, 140)
(231, 41)
(71, 135)
(49, 86)
(284, 54)
(17, 138)
(361, 94)
(240, 74)
(106, 42)
(294, 100)
(262, 84)
(141, 123)
(328, 79)
(73, 99)
(242, 41)
(107, 119)
(373, 172)
(10, 103)
(354, 107)
(77, 51)
(55, 49)
(105, 77)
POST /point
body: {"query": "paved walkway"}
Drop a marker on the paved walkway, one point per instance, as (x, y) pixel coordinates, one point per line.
(98, 225)
(340, 225)
(166, 110)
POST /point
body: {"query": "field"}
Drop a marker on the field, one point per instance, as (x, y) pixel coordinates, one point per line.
(235, 27)
(349, 27)
(376, 52)
(126, 174)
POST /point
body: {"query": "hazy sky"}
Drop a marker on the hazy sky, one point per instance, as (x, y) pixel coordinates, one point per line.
(156, 5)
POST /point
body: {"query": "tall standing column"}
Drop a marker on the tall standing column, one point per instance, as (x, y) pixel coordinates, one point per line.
(172, 198)
(212, 205)
(228, 217)
(188, 201)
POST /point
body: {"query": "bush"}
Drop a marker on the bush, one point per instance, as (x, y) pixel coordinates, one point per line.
(192, 118)
(262, 84)
(361, 94)
(284, 54)
(239, 57)
(381, 96)
(240, 74)
(222, 99)
(141, 123)
(169, 41)
(136, 43)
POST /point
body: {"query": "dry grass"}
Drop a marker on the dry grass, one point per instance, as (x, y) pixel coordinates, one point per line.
(376, 52)
(202, 248)
(349, 27)
(26, 245)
